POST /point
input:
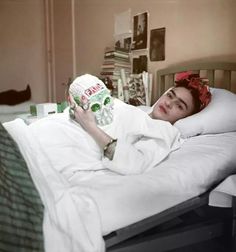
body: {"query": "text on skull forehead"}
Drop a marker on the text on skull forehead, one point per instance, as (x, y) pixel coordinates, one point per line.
(94, 89)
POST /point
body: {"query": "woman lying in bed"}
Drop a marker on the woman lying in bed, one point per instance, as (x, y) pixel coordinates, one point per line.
(57, 143)
(130, 142)
(135, 141)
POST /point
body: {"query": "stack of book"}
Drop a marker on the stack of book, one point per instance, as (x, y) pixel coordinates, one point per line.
(115, 59)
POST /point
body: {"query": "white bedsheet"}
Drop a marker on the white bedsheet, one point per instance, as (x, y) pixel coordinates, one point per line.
(187, 172)
(71, 219)
(222, 195)
(9, 113)
(95, 203)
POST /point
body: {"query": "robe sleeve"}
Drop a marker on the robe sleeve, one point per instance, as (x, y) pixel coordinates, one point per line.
(135, 154)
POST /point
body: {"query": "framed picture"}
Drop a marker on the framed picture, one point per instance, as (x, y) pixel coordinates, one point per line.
(157, 44)
(140, 23)
(140, 64)
(127, 44)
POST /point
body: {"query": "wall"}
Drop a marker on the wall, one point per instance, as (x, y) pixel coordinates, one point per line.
(22, 47)
(195, 30)
(202, 30)
(62, 47)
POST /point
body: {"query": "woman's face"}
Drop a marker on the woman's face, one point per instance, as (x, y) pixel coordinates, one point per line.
(175, 104)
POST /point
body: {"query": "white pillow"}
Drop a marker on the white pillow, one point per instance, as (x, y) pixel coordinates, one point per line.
(18, 108)
(218, 117)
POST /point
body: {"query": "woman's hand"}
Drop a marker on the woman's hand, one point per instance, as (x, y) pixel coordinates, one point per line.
(85, 118)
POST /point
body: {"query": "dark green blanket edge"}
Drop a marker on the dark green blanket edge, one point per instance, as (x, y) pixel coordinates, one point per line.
(21, 209)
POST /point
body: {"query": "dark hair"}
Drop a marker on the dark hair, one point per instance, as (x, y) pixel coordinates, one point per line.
(195, 95)
(194, 92)
(198, 87)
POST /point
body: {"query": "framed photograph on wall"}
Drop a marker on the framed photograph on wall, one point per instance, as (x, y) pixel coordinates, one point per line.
(140, 64)
(157, 44)
(140, 23)
(127, 44)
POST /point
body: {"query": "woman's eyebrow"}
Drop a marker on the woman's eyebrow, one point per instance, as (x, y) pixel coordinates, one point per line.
(181, 100)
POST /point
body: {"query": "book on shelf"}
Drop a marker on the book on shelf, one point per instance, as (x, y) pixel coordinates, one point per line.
(116, 59)
(114, 71)
(112, 60)
(117, 49)
(115, 65)
(116, 54)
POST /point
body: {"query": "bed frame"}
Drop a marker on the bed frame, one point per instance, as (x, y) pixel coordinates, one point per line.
(192, 221)
(220, 74)
(188, 223)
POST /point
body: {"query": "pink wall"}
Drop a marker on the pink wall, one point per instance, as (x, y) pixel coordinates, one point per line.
(62, 46)
(195, 30)
(22, 47)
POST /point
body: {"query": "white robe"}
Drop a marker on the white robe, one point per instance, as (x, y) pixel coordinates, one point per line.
(142, 142)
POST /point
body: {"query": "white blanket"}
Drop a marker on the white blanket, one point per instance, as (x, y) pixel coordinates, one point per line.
(189, 171)
(71, 219)
(142, 142)
(55, 149)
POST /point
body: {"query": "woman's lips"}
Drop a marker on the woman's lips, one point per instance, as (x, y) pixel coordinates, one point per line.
(163, 109)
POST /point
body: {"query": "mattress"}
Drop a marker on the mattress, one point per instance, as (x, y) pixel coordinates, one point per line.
(9, 113)
(201, 162)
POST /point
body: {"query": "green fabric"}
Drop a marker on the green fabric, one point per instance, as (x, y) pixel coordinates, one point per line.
(21, 209)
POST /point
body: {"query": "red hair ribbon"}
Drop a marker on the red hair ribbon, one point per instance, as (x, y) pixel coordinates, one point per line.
(193, 81)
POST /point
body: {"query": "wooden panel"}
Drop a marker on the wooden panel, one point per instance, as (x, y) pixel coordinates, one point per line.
(197, 66)
(209, 68)
(170, 81)
(227, 80)
(161, 88)
(211, 77)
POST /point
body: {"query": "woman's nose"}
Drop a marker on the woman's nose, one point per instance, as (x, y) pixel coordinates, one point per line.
(169, 103)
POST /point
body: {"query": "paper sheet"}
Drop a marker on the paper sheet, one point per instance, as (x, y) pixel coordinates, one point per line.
(123, 23)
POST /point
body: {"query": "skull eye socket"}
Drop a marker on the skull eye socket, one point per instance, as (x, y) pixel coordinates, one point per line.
(107, 100)
(95, 107)
(77, 100)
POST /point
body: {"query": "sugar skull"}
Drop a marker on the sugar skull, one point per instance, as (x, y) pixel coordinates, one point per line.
(91, 93)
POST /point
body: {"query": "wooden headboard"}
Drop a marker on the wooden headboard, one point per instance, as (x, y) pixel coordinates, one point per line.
(220, 75)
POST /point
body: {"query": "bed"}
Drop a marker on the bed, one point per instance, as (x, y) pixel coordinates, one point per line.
(15, 103)
(11, 112)
(160, 210)
(177, 234)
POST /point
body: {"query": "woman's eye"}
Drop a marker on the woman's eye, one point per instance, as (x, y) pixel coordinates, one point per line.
(180, 107)
(95, 107)
(107, 100)
(169, 95)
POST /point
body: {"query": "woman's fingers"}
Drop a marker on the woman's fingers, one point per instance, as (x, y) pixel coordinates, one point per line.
(85, 118)
(78, 110)
(71, 101)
